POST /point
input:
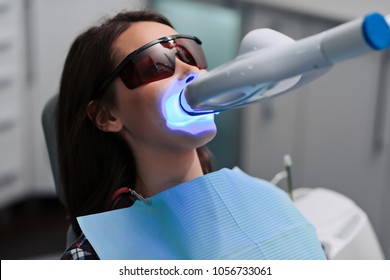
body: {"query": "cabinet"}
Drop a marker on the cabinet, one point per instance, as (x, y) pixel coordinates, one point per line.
(11, 93)
(336, 128)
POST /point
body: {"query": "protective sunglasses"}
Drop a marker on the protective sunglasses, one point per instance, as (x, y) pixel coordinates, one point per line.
(156, 61)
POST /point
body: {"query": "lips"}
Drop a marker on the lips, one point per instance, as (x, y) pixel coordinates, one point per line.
(178, 119)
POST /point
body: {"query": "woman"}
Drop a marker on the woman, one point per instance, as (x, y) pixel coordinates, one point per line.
(118, 142)
(104, 132)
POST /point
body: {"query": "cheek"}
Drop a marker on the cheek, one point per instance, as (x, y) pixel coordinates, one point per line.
(142, 109)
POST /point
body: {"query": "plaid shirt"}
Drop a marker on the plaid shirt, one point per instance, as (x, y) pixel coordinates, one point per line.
(81, 249)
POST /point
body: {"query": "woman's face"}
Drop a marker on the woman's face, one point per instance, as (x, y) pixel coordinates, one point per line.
(145, 115)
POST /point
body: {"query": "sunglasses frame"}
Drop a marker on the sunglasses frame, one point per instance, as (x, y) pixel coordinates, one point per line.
(118, 70)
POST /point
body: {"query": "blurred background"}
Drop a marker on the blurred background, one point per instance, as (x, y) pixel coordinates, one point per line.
(335, 129)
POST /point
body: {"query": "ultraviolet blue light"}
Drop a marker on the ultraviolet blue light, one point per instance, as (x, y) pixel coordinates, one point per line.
(178, 119)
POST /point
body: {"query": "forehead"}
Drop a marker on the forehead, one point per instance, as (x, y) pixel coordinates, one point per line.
(139, 34)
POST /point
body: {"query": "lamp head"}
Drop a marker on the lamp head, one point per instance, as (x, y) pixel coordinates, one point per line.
(270, 63)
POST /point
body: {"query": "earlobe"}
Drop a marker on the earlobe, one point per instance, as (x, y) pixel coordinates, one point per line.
(103, 118)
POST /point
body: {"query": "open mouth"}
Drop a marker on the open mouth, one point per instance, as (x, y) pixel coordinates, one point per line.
(178, 119)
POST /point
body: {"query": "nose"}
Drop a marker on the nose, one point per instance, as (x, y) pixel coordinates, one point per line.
(187, 72)
(189, 79)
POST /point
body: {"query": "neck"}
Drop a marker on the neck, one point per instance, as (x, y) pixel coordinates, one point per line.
(160, 171)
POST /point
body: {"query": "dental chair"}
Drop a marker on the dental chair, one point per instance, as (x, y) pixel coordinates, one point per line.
(343, 228)
(49, 125)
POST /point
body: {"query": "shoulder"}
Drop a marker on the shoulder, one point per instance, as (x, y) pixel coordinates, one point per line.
(81, 249)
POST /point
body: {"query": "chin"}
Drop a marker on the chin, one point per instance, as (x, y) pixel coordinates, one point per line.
(179, 121)
(196, 129)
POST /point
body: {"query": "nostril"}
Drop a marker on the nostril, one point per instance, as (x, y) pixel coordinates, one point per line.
(189, 79)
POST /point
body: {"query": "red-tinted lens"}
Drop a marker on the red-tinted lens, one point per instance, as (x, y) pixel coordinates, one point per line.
(153, 64)
(158, 61)
(189, 51)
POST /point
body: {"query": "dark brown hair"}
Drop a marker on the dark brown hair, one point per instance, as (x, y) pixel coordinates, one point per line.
(93, 164)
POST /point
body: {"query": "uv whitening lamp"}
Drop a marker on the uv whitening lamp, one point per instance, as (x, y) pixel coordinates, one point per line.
(270, 63)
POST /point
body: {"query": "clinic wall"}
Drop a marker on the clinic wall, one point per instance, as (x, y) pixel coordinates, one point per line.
(334, 10)
(12, 65)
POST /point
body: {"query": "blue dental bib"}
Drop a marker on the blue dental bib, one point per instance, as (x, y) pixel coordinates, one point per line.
(222, 215)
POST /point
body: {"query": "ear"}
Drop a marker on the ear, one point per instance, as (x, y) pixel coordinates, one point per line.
(103, 117)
